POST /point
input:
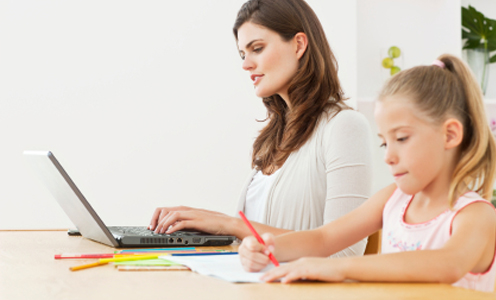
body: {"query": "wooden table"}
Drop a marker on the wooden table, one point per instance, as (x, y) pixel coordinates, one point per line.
(29, 271)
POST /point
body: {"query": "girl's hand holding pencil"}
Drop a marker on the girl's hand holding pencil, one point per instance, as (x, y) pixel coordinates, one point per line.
(255, 256)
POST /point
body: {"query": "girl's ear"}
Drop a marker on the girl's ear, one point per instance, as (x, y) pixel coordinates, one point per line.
(453, 132)
(301, 44)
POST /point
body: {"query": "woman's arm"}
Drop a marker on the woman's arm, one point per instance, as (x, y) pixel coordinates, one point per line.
(182, 217)
(347, 155)
(470, 249)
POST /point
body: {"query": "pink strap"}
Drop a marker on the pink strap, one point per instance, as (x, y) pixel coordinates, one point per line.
(438, 63)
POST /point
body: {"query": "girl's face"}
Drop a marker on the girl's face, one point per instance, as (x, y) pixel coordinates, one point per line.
(271, 61)
(414, 147)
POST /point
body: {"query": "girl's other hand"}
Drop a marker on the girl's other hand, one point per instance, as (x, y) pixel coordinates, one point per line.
(307, 268)
(255, 256)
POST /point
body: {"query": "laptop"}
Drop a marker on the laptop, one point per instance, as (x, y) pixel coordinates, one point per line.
(89, 224)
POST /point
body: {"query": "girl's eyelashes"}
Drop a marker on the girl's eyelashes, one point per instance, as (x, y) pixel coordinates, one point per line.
(401, 139)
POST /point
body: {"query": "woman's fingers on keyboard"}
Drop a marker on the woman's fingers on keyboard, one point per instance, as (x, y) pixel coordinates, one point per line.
(155, 218)
(168, 220)
(162, 213)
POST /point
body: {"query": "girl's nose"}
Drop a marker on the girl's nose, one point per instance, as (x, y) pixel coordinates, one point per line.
(390, 157)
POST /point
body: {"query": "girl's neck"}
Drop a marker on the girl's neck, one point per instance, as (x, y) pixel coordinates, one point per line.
(427, 204)
(437, 191)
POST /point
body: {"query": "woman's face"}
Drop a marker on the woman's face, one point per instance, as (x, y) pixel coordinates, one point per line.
(271, 61)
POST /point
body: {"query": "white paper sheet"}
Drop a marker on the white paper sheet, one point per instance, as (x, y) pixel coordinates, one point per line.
(226, 267)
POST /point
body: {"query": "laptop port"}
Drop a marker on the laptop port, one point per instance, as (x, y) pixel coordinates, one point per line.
(179, 240)
(186, 242)
(171, 241)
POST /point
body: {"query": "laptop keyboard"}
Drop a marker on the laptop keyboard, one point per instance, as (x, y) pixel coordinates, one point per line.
(141, 231)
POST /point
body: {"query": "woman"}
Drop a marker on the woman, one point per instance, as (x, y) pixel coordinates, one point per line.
(312, 162)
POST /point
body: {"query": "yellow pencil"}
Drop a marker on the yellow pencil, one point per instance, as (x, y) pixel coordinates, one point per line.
(86, 266)
(139, 255)
(105, 261)
(134, 257)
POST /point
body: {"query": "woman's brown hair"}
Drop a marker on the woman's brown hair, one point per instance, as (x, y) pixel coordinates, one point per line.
(315, 88)
(446, 92)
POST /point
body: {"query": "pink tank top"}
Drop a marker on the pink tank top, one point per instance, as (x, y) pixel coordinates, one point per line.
(398, 236)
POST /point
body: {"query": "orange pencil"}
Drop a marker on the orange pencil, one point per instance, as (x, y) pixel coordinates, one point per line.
(81, 267)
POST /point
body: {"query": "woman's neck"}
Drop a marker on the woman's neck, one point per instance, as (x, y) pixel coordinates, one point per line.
(284, 96)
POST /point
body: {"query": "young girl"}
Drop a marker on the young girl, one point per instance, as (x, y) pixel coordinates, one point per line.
(441, 152)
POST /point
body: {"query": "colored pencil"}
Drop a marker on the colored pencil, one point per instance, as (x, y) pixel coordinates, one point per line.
(169, 252)
(156, 249)
(203, 253)
(86, 266)
(110, 255)
(142, 254)
(150, 253)
(83, 256)
(130, 257)
(106, 255)
(255, 233)
(153, 268)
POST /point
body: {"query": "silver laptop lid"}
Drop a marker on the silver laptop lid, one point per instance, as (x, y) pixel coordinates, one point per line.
(69, 197)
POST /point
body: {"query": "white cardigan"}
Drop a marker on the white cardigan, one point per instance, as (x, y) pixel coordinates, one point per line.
(329, 176)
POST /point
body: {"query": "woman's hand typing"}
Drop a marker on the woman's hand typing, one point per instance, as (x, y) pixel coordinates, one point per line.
(171, 219)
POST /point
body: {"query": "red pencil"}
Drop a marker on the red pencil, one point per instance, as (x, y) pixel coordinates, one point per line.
(83, 256)
(255, 233)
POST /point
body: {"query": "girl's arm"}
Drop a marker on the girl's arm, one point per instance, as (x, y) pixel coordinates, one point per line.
(470, 249)
(323, 241)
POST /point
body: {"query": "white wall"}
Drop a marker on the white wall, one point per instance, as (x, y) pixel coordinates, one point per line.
(144, 103)
(339, 20)
(422, 29)
(488, 8)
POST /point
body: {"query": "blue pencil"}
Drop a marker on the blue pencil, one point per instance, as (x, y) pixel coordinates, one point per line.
(158, 249)
(196, 254)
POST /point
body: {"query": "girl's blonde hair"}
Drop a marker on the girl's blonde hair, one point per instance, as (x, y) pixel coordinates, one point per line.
(452, 91)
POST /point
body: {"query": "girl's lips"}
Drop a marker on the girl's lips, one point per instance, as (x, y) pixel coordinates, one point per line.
(256, 78)
(398, 175)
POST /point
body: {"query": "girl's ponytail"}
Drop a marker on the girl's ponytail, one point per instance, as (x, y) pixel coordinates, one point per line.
(477, 165)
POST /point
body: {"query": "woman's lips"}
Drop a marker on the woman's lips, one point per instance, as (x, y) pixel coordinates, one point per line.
(256, 78)
(399, 175)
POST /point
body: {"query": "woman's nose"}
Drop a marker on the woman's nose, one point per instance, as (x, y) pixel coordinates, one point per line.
(247, 64)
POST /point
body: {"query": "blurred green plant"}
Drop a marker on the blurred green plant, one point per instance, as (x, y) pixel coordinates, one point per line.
(479, 34)
(478, 31)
